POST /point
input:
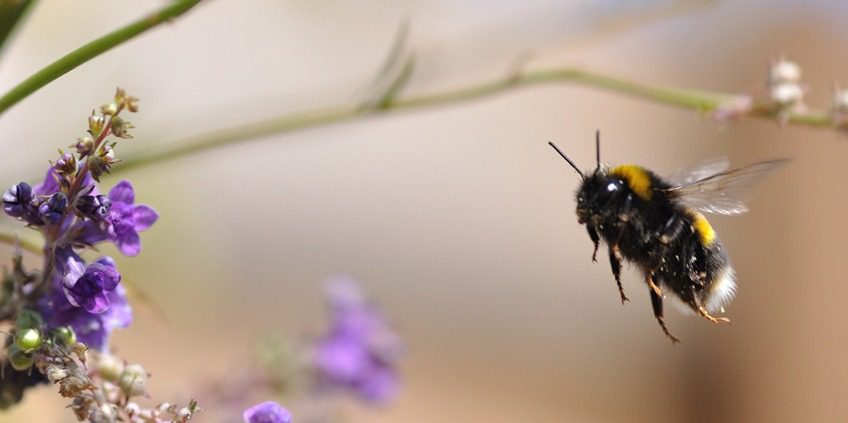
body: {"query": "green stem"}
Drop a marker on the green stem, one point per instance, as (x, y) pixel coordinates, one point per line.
(684, 98)
(11, 13)
(15, 239)
(91, 50)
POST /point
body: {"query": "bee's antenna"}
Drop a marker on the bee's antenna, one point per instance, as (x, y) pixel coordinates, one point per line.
(567, 159)
(597, 150)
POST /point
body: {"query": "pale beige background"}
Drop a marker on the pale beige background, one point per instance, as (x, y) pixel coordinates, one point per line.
(459, 220)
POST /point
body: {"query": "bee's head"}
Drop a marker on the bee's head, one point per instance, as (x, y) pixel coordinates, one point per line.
(597, 188)
(599, 191)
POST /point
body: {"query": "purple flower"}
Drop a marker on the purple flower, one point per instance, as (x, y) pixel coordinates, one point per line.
(53, 209)
(92, 329)
(18, 201)
(121, 222)
(267, 412)
(50, 184)
(360, 351)
(89, 286)
(128, 219)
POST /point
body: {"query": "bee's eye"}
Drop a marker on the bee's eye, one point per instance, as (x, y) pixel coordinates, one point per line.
(612, 187)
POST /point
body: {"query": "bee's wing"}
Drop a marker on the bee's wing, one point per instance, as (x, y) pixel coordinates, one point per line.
(707, 168)
(724, 192)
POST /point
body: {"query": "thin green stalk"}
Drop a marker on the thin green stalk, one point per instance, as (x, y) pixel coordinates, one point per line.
(11, 14)
(684, 98)
(15, 239)
(91, 50)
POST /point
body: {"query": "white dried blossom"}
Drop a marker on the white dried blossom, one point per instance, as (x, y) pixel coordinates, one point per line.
(133, 380)
(784, 71)
(786, 94)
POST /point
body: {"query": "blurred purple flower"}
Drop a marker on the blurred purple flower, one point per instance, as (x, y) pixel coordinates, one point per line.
(360, 351)
(89, 286)
(267, 412)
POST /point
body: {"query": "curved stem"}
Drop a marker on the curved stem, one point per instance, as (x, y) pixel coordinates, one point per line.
(702, 101)
(11, 14)
(91, 50)
(15, 239)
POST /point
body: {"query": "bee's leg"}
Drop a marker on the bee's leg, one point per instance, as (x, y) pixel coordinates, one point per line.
(654, 288)
(696, 303)
(593, 235)
(657, 304)
(615, 264)
(672, 229)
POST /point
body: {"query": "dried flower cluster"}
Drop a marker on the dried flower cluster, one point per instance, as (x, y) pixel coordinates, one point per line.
(782, 98)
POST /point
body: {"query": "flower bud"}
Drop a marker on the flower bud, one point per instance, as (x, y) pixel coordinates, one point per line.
(120, 127)
(19, 360)
(84, 146)
(65, 335)
(110, 109)
(17, 201)
(101, 162)
(28, 340)
(109, 367)
(128, 102)
(133, 380)
(94, 206)
(53, 209)
(96, 122)
(66, 164)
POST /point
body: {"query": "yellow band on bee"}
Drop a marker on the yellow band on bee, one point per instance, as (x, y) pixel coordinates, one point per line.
(703, 228)
(637, 179)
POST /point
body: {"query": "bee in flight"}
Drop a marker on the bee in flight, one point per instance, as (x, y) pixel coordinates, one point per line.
(656, 224)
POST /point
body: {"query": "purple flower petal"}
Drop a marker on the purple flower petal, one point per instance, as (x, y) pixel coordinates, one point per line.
(92, 329)
(267, 412)
(122, 192)
(341, 360)
(90, 289)
(97, 304)
(129, 244)
(359, 352)
(144, 217)
(380, 386)
(90, 232)
(50, 184)
(120, 314)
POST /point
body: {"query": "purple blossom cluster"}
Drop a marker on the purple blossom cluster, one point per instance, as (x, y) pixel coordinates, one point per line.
(72, 215)
(359, 352)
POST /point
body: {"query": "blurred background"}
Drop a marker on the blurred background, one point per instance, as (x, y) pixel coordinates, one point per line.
(458, 219)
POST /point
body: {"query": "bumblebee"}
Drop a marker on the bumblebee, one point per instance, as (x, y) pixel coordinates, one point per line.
(656, 224)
